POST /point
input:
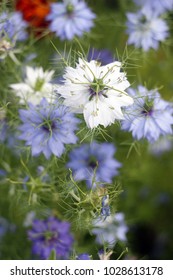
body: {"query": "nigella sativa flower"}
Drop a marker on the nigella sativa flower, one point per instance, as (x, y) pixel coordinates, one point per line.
(96, 91)
(146, 29)
(47, 127)
(150, 116)
(159, 6)
(111, 230)
(51, 234)
(70, 18)
(13, 26)
(94, 163)
(35, 86)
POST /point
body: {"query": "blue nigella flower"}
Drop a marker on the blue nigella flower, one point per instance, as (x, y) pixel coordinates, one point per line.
(47, 127)
(13, 26)
(51, 234)
(149, 117)
(70, 18)
(94, 163)
(160, 6)
(111, 230)
(146, 29)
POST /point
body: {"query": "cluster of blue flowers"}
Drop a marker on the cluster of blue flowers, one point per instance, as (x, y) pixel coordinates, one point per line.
(146, 27)
(72, 160)
(66, 19)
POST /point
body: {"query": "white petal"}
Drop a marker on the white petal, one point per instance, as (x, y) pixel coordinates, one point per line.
(20, 88)
(111, 68)
(96, 113)
(122, 99)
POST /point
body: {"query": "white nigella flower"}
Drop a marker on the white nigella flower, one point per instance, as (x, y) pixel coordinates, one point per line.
(96, 91)
(35, 86)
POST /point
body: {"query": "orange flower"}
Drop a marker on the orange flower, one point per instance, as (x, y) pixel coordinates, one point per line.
(34, 11)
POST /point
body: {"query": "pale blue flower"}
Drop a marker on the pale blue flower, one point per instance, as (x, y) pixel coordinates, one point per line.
(162, 145)
(47, 127)
(13, 26)
(70, 18)
(94, 163)
(159, 6)
(149, 117)
(111, 230)
(146, 29)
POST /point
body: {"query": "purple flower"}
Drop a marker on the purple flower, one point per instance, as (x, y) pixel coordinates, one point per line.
(70, 18)
(146, 29)
(94, 163)
(159, 6)
(47, 127)
(13, 26)
(83, 256)
(149, 117)
(104, 56)
(51, 234)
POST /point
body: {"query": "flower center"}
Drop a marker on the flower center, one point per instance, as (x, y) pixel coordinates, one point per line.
(147, 108)
(143, 19)
(92, 162)
(48, 125)
(50, 236)
(39, 84)
(69, 9)
(96, 88)
(144, 23)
